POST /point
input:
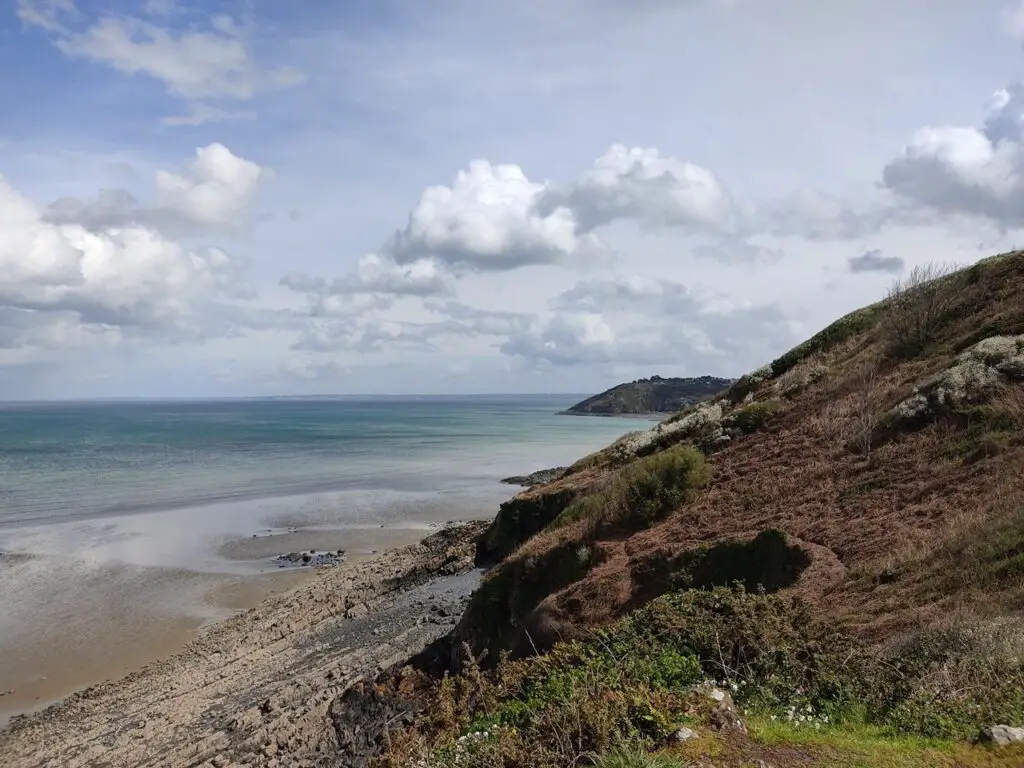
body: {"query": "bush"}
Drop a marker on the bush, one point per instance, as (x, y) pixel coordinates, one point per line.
(916, 307)
(754, 417)
(641, 492)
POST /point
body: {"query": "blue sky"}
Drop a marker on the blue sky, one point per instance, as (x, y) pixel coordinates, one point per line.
(244, 198)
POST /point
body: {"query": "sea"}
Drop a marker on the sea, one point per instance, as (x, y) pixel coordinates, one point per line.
(94, 478)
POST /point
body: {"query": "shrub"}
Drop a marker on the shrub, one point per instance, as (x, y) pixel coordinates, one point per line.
(754, 417)
(641, 492)
(917, 305)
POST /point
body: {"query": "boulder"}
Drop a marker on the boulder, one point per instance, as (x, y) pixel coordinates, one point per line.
(1001, 735)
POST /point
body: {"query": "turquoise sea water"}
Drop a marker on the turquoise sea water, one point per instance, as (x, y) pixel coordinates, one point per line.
(63, 462)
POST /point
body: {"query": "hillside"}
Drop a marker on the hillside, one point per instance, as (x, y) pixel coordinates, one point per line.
(653, 395)
(836, 543)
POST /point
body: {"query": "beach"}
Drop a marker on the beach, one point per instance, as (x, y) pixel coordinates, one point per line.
(255, 689)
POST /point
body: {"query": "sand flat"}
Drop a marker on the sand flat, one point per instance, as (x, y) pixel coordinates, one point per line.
(255, 688)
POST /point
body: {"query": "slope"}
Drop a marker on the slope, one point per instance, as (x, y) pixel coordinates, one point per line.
(653, 395)
(841, 530)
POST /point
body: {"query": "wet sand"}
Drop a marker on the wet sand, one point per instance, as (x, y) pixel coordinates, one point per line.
(256, 689)
(114, 619)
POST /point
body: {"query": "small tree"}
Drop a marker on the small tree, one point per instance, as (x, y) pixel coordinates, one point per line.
(916, 306)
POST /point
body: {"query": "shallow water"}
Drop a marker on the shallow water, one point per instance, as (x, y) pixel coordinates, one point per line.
(123, 522)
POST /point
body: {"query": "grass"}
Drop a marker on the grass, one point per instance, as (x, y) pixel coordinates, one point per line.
(637, 757)
(867, 746)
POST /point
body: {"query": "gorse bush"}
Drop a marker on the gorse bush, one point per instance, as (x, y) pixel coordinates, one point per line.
(754, 417)
(641, 492)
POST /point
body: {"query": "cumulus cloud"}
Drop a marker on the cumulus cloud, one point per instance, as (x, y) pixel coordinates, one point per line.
(213, 193)
(874, 261)
(641, 320)
(125, 277)
(493, 217)
(639, 183)
(977, 171)
(195, 64)
(487, 220)
(216, 188)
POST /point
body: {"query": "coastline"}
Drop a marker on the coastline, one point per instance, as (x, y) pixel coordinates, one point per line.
(264, 679)
(647, 415)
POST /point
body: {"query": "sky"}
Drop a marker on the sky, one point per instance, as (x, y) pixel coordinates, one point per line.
(246, 197)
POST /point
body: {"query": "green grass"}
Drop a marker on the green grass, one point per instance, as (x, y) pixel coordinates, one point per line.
(638, 757)
(867, 746)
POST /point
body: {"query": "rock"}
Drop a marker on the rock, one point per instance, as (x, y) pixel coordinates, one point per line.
(762, 764)
(684, 734)
(311, 558)
(1001, 735)
(219, 761)
(540, 477)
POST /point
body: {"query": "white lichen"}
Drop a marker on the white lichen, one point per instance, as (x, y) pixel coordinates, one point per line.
(976, 374)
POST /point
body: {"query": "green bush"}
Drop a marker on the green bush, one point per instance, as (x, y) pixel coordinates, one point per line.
(642, 492)
(754, 417)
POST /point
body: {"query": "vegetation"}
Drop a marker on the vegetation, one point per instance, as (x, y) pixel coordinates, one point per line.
(628, 689)
(873, 621)
(653, 395)
(917, 305)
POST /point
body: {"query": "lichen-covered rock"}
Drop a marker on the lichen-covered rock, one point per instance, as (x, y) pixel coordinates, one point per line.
(975, 376)
(701, 425)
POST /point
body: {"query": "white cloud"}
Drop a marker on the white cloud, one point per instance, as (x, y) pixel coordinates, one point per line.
(487, 219)
(216, 188)
(195, 64)
(968, 170)
(213, 193)
(565, 339)
(638, 183)
(123, 277)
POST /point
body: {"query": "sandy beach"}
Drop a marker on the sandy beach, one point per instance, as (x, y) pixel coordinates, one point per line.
(111, 618)
(255, 689)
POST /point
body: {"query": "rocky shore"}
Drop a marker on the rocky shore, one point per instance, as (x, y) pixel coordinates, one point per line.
(257, 689)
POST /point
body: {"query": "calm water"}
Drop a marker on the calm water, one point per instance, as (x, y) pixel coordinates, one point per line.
(64, 462)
